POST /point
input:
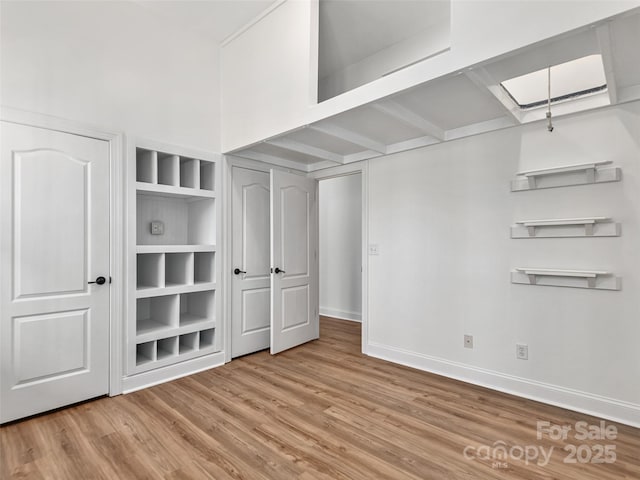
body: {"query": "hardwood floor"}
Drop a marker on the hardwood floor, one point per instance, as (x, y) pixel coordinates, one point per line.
(319, 411)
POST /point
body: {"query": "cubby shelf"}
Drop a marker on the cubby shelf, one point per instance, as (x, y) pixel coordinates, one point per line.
(174, 290)
(174, 346)
(173, 191)
(174, 248)
(566, 175)
(593, 279)
(174, 303)
(566, 227)
(155, 333)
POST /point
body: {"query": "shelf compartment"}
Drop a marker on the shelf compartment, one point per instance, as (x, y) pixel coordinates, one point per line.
(189, 173)
(156, 313)
(168, 169)
(207, 338)
(204, 267)
(566, 227)
(145, 353)
(149, 271)
(188, 342)
(566, 175)
(186, 221)
(167, 347)
(592, 279)
(207, 175)
(174, 248)
(197, 307)
(146, 166)
(178, 269)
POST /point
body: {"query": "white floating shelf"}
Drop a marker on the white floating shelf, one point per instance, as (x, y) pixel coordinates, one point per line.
(566, 227)
(172, 191)
(594, 279)
(567, 175)
(174, 248)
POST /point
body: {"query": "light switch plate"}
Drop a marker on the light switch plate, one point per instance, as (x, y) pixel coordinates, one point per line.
(373, 249)
(157, 228)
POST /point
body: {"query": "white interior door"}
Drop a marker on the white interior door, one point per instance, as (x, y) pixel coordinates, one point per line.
(54, 239)
(251, 279)
(294, 257)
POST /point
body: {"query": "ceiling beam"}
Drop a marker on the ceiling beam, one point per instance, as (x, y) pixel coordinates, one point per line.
(481, 78)
(604, 42)
(350, 136)
(364, 155)
(409, 117)
(266, 158)
(298, 147)
(412, 144)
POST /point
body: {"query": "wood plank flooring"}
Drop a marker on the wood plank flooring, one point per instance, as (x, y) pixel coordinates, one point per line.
(319, 411)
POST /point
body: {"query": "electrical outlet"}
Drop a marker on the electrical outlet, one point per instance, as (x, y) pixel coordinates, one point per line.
(157, 228)
(468, 341)
(373, 249)
(522, 351)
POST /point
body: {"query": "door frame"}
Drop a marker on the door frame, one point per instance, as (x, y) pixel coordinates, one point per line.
(117, 203)
(228, 163)
(231, 161)
(342, 171)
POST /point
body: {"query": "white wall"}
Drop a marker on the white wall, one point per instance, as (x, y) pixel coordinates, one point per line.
(269, 73)
(341, 247)
(111, 64)
(441, 217)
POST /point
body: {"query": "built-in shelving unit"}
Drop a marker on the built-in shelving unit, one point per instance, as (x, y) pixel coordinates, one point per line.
(566, 227)
(593, 279)
(174, 299)
(566, 175)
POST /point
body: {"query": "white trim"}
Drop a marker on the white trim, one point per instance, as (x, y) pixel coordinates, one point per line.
(117, 312)
(227, 239)
(171, 372)
(579, 401)
(341, 314)
(363, 169)
(252, 22)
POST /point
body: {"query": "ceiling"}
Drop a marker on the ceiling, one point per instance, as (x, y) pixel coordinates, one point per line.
(216, 19)
(352, 30)
(464, 103)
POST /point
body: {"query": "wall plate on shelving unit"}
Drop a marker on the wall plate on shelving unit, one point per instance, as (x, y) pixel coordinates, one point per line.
(566, 175)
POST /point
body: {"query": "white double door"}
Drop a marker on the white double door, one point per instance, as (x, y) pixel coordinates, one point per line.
(54, 240)
(275, 261)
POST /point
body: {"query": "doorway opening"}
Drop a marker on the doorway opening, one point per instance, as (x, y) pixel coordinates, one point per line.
(340, 247)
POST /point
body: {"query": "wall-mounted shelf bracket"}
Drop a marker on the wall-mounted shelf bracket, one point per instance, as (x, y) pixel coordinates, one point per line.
(566, 175)
(593, 279)
(566, 227)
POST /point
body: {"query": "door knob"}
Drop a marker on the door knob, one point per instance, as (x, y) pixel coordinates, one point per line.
(277, 270)
(100, 281)
(237, 271)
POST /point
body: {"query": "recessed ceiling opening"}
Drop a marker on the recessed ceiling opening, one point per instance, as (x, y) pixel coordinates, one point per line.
(570, 80)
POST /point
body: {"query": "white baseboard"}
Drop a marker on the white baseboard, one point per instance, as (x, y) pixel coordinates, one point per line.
(171, 372)
(341, 314)
(616, 410)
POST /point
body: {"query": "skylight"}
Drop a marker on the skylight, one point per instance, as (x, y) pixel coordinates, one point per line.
(569, 80)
